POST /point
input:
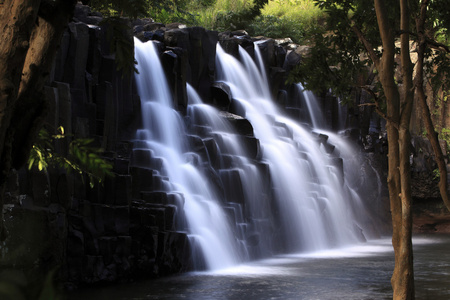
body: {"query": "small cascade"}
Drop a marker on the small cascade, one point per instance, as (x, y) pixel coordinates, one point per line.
(164, 139)
(311, 103)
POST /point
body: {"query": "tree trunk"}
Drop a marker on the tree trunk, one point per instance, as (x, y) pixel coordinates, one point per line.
(31, 31)
(404, 279)
(399, 107)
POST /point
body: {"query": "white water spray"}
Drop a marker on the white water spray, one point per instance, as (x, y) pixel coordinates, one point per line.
(309, 183)
(164, 135)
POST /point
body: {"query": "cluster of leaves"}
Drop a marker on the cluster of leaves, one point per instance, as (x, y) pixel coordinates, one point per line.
(229, 20)
(121, 44)
(82, 158)
(328, 67)
(119, 8)
(244, 18)
(334, 62)
(274, 27)
(171, 11)
(440, 14)
(338, 60)
(223, 15)
(115, 13)
(445, 136)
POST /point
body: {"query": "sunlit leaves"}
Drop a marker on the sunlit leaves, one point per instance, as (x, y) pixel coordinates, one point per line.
(82, 158)
(440, 14)
(85, 159)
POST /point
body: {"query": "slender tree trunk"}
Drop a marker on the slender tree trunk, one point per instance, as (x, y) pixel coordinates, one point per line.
(405, 277)
(399, 107)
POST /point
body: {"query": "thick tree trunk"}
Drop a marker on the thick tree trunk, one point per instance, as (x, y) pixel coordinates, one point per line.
(17, 19)
(31, 31)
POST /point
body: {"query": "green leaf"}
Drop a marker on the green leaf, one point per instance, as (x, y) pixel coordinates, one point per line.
(83, 158)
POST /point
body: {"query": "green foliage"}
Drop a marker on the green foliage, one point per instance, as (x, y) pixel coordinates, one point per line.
(335, 62)
(82, 158)
(121, 44)
(303, 13)
(339, 59)
(228, 20)
(440, 15)
(327, 66)
(275, 27)
(444, 135)
(274, 18)
(171, 11)
(436, 174)
(121, 8)
(438, 102)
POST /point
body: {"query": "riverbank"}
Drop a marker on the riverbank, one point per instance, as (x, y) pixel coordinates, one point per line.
(431, 216)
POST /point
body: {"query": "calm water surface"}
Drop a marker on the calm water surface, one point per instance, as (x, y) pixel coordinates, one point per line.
(359, 272)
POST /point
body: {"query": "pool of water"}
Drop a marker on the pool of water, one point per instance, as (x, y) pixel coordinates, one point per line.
(359, 272)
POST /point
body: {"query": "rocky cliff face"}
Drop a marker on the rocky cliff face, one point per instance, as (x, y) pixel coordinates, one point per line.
(126, 227)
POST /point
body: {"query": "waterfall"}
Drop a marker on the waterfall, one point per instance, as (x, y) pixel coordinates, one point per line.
(310, 185)
(280, 188)
(314, 110)
(164, 136)
(237, 170)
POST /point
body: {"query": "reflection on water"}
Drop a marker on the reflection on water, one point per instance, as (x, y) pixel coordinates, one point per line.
(359, 272)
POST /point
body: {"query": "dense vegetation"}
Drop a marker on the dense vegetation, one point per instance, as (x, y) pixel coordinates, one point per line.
(277, 19)
(296, 19)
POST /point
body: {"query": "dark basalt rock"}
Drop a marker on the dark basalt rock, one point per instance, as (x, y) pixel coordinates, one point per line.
(221, 95)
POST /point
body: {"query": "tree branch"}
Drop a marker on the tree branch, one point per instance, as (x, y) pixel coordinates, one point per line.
(376, 104)
(437, 45)
(367, 45)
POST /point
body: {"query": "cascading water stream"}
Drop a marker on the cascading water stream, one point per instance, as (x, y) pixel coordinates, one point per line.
(236, 161)
(309, 183)
(315, 112)
(164, 136)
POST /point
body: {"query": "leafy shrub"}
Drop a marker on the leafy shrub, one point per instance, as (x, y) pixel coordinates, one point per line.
(275, 27)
